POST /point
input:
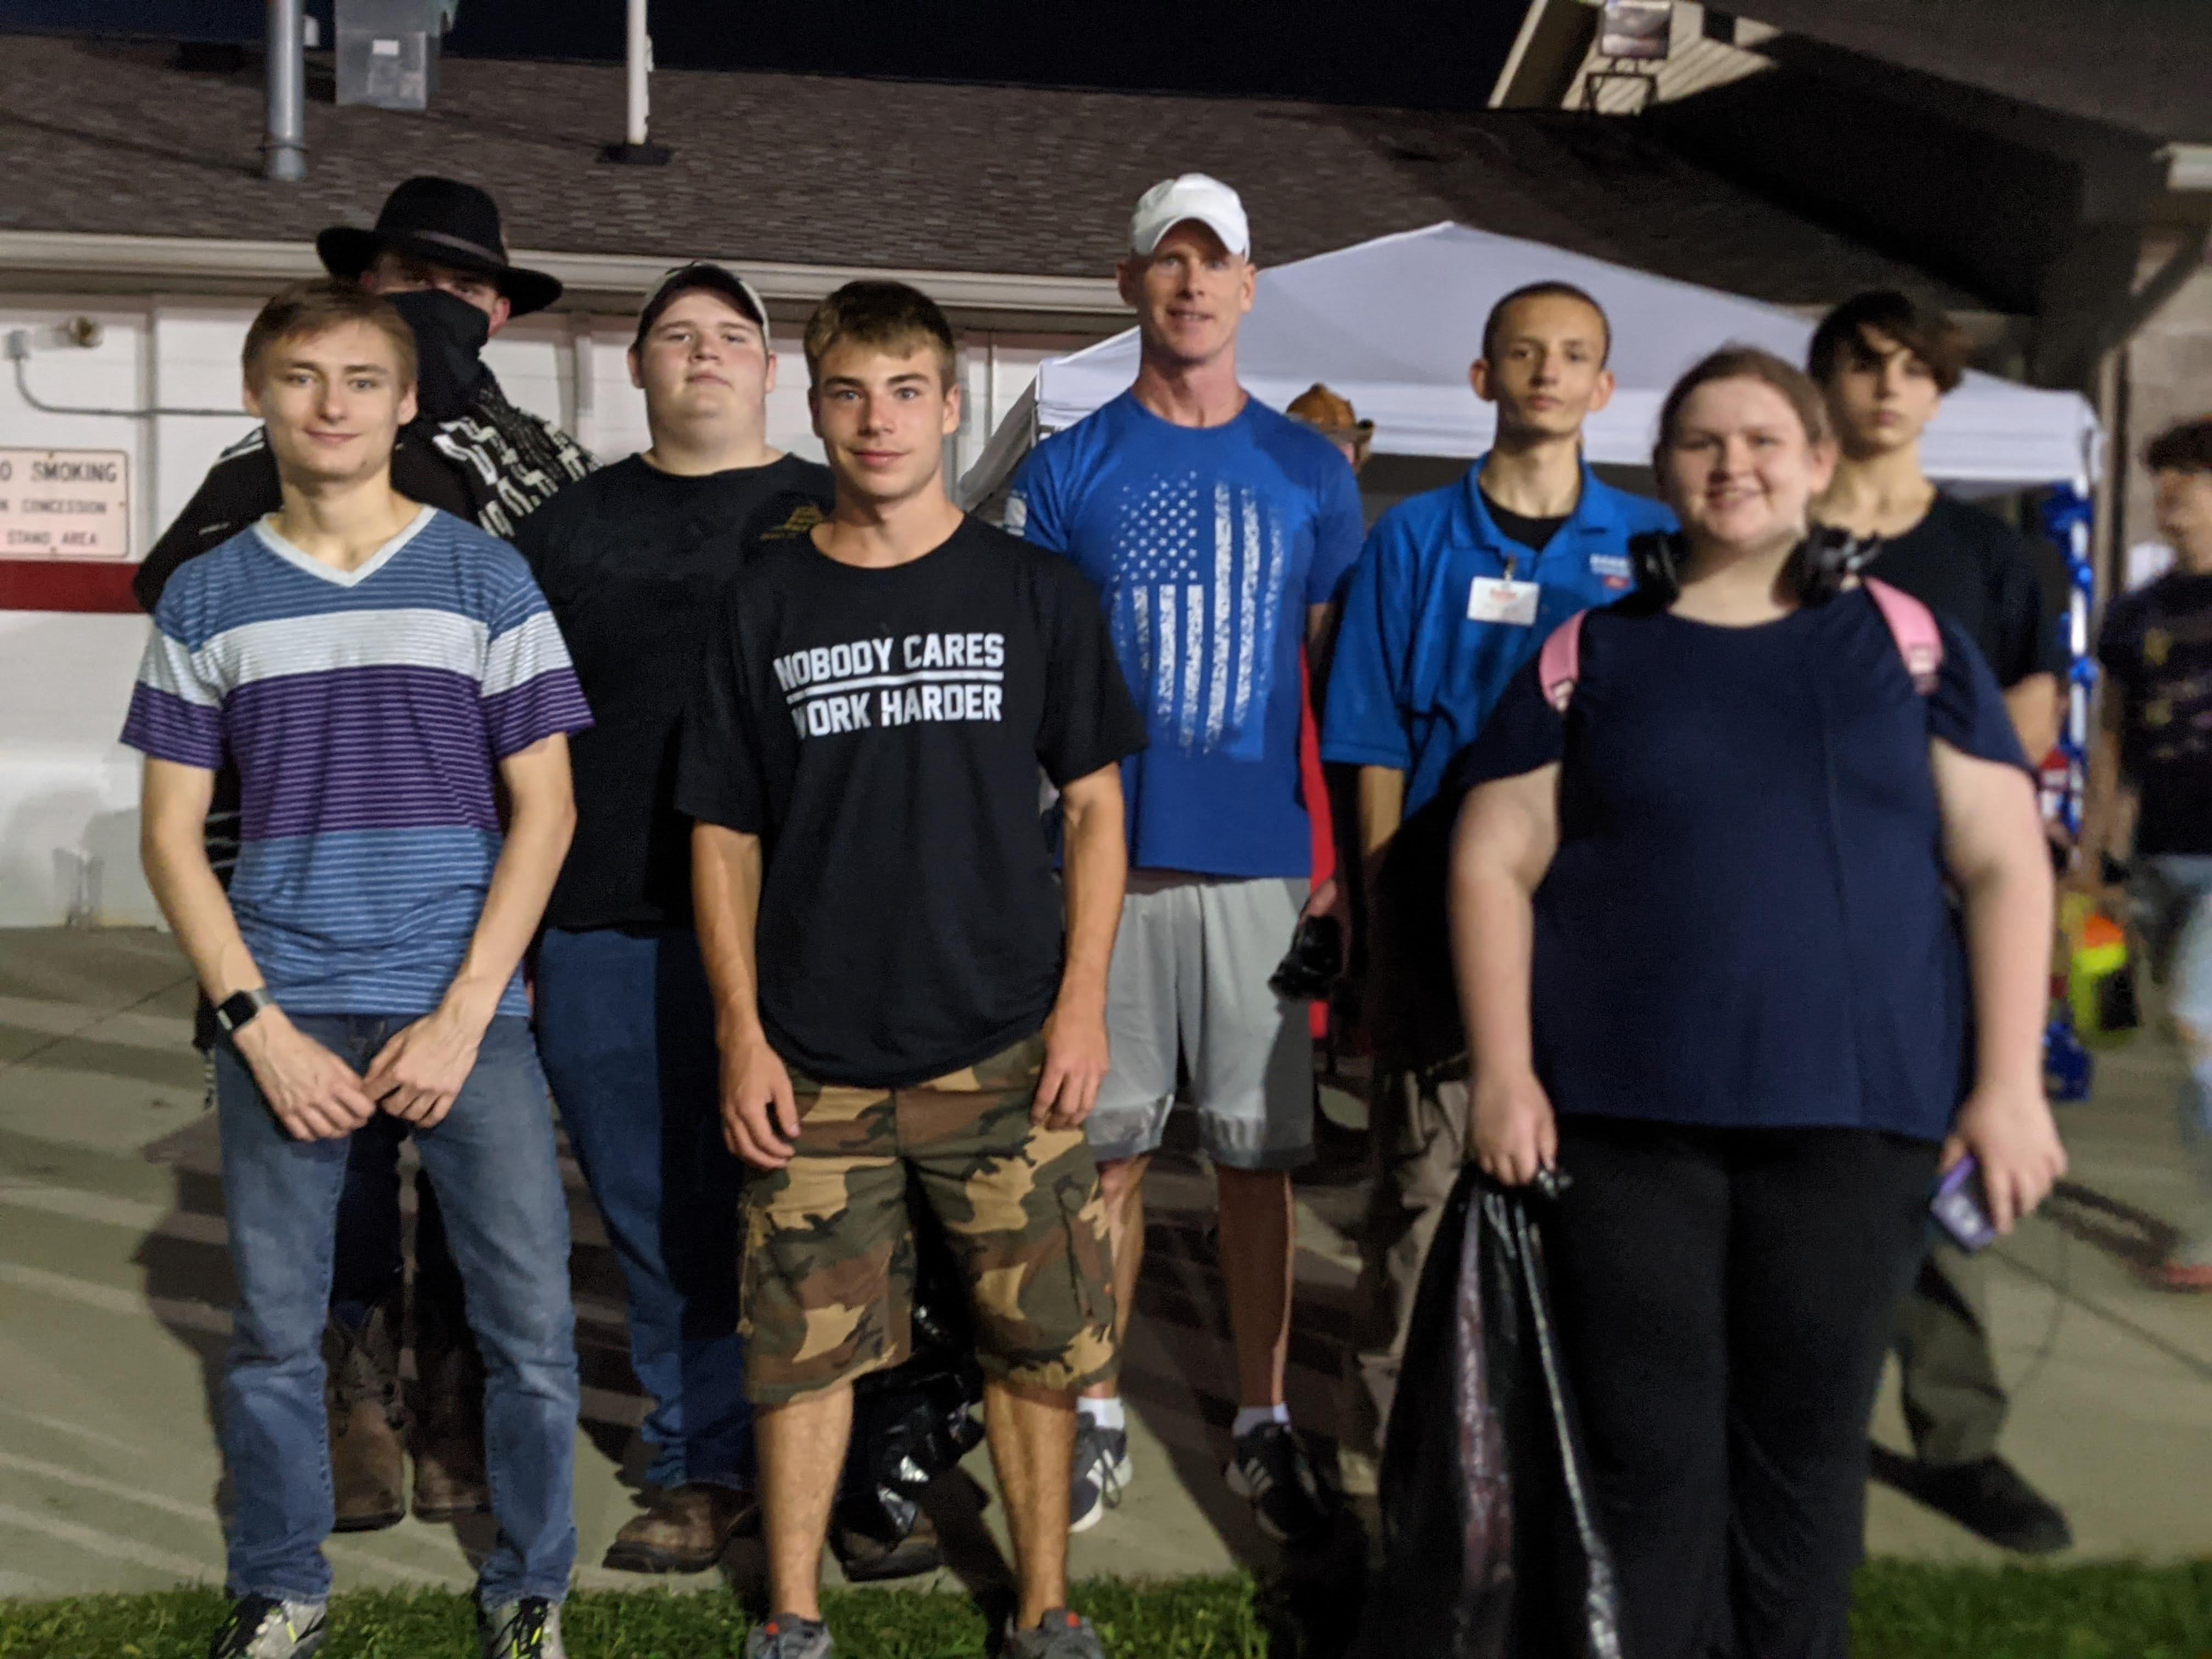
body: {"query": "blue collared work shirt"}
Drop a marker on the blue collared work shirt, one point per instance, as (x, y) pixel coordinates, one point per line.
(1413, 677)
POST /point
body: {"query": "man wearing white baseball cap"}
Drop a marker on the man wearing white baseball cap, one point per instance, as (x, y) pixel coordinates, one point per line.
(1219, 532)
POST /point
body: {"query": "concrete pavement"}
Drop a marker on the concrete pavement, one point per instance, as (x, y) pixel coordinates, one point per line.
(114, 1278)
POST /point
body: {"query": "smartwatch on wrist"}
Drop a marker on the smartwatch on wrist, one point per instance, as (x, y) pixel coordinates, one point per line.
(236, 1011)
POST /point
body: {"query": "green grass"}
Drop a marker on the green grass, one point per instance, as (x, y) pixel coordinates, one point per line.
(1906, 1611)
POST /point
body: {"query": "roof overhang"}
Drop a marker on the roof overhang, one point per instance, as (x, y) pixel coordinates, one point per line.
(2188, 167)
(78, 263)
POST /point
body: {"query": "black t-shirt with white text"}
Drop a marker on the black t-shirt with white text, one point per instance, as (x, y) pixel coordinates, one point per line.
(882, 731)
(634, 563)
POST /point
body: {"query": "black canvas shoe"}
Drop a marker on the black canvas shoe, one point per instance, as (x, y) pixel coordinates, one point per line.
(1990, 1498)
(1272, 1471)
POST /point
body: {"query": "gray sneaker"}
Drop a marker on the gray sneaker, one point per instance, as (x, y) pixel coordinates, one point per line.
(787, 1635)
(1102, 1470)
(263, 1628)
(528, 1629)
(1063, 1635)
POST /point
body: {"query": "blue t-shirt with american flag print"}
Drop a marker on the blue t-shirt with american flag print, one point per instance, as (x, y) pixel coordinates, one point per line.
(368, 711)
(1207, 544)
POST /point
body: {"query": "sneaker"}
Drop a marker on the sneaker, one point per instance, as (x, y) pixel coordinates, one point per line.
(263, 1628)
(787, 1635)
(528, 1629)
(1988, 1498)
(1063, 1635)
(1102, 1470)
(1272, 1472)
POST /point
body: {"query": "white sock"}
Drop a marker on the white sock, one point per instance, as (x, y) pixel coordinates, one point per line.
(1251, 1417)
(1104, 1413)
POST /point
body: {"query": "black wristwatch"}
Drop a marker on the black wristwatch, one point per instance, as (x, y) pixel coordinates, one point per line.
(236, 1011)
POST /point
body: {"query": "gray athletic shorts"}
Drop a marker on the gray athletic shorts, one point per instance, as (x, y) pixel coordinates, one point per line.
(1190, 972)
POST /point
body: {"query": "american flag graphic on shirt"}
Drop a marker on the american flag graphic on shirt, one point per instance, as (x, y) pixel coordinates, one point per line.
(1195, 601)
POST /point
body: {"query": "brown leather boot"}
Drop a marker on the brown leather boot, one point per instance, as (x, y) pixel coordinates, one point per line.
(686, 1530)
(449, 1423)
(867, 1560)
(361, 1390)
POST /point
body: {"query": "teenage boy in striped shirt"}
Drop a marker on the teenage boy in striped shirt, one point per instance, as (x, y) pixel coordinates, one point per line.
(378, 672)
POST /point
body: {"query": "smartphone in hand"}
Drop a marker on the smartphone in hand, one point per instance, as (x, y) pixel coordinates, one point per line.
(1960, 1209)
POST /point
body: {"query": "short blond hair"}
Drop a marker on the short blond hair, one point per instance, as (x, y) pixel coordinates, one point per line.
(306, 309)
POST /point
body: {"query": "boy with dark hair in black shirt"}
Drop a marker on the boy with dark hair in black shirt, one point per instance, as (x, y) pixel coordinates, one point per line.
(634, 560)
(1886, 362)
(897, 1001)
(2156, 745)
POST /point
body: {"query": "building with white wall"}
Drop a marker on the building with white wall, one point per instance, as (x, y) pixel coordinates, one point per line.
(134, 202)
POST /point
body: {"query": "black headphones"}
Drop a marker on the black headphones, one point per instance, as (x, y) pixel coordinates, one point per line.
(1819, 569)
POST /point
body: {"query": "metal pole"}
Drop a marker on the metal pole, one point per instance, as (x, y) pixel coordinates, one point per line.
(636, 149)
(639, 57)
(284, 151)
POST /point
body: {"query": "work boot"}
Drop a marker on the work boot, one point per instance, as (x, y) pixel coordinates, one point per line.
(449, 1423)
(685, 1530)
(361, 1391)
(867, 1560)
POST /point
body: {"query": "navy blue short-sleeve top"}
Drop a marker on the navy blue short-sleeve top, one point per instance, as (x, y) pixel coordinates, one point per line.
(1745, 925)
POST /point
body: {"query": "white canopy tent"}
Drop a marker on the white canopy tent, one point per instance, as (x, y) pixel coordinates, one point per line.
(1393, 325)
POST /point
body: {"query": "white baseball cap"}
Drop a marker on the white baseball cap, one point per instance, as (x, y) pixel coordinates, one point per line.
(1179, 200)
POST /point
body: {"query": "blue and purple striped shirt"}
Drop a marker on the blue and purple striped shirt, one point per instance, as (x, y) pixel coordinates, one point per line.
(368, 711)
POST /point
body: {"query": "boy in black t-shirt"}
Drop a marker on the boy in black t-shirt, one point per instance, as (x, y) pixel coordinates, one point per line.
(634, 560)
(2155, 745)
(1886, 363)
(897, 999)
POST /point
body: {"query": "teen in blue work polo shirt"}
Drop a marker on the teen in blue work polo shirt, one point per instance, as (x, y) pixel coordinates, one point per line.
(1454, 591)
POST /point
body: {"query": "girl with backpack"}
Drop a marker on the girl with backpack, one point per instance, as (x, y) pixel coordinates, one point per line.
(1709, 970)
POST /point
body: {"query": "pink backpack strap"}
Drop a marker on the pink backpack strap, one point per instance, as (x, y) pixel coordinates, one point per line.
(1913, 626)
(1560, 663)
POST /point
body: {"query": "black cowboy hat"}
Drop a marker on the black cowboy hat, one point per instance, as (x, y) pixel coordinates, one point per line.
(441, 221)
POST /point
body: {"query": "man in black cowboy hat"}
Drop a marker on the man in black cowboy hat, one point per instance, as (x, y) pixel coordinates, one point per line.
(436, 252)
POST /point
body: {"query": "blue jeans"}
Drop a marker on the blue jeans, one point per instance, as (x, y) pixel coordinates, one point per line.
(626, 1028)
(2173, 899)
(370, 1264)
(492, 1161)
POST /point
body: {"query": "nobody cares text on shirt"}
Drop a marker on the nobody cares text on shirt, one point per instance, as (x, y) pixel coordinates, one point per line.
(865, 684)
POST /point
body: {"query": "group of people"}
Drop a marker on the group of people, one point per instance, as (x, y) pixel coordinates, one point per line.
(865, 882)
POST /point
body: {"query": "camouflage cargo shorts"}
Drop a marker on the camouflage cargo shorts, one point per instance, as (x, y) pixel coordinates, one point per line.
(828, 1280)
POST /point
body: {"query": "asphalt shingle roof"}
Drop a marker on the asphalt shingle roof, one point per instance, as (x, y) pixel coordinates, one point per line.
(115, 137)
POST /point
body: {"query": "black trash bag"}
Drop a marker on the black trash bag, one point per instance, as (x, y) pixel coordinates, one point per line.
(1491, 1542)
(915, 1420)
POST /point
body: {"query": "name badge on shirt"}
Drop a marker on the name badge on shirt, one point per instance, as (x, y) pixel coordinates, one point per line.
(1492, 600)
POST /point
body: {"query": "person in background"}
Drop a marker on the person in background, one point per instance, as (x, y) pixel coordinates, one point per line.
(1219, 532)
(438, 254)
(1454, 591)
(380, 672)
(1884, 364)
(634, 560)
(1333, 417)
(2153, 754)
(906, 1000)
(1711, 975)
